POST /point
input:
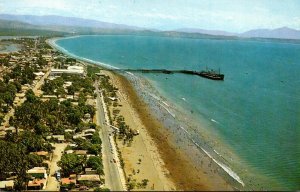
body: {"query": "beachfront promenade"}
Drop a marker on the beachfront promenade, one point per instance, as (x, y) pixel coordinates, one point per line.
(114, 177)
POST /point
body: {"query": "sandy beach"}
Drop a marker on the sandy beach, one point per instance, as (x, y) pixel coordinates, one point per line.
(163, 163)
(151, 165)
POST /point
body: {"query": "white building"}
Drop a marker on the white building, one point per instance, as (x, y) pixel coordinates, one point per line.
(75, 70)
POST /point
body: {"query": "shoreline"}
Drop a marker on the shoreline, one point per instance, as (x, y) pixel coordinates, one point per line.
(141, 156)
(184, 173)
(179, 139)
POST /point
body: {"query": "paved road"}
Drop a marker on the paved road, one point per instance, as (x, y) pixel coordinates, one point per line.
(113, 177)
(53, 183)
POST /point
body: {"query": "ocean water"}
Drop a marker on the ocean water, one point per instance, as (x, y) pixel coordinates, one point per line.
(251, 120)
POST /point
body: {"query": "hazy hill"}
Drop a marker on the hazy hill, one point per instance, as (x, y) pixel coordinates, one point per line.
(19, 28)
(53, 20)
(204, 31)
(279, 33)
(72, 25)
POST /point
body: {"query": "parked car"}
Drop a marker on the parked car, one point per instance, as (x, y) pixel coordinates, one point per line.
(57, 174)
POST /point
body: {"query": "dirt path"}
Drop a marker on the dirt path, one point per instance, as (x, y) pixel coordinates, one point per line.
(52, 183)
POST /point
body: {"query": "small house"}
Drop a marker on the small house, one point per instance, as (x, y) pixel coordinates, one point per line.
(69, 151)
(44, 154)
(88, 135)
(37, 184)
(80, 152)
(90, 171)
(6, 185)
(89, 131)
(58, 138)
(69, 130)
(94, 178)
(38, 172)
(68, 181)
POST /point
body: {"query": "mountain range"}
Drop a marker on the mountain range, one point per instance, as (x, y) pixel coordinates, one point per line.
(54, 24)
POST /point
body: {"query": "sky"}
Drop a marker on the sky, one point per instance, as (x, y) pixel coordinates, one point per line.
(227, 15)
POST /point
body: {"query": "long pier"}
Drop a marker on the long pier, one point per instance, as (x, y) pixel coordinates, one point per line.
(213, 76)
(165, 71)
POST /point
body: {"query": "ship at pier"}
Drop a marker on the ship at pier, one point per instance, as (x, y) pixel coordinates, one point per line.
(211, 74)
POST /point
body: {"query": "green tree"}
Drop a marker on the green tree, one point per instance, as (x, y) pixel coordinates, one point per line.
(14, 159)
(34, 160)
(41, 129)
(60, 91)
(8, 98)
(71, 90)
(74, 117)
(18, 85)
(30, 96)
(33, 142)
(95, 163)
(1, 118)
(145, 182)
(98, 189)
(96, 138)
(71, 163)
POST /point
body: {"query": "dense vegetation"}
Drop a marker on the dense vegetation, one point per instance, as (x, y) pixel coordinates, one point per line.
(7, 95)
(11, 85)
(49, 116)
(55, 87)
(71, 163)
(21, 74)
(16, 157)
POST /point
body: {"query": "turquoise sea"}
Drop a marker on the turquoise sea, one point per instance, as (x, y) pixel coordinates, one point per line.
(250, 122)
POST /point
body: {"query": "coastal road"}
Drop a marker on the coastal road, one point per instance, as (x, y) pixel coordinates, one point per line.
(113, 175)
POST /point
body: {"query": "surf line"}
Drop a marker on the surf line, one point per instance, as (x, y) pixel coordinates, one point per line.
(162, 103)
(227, 169)
(172, 114)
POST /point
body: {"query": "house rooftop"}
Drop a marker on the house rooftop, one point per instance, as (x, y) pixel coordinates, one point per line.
(36, 182)
(88, 178)
(89, 130)
(67, 181)
(40, 153)
(6, 184)
(37, 170)
(59, 137)
(80, 152)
